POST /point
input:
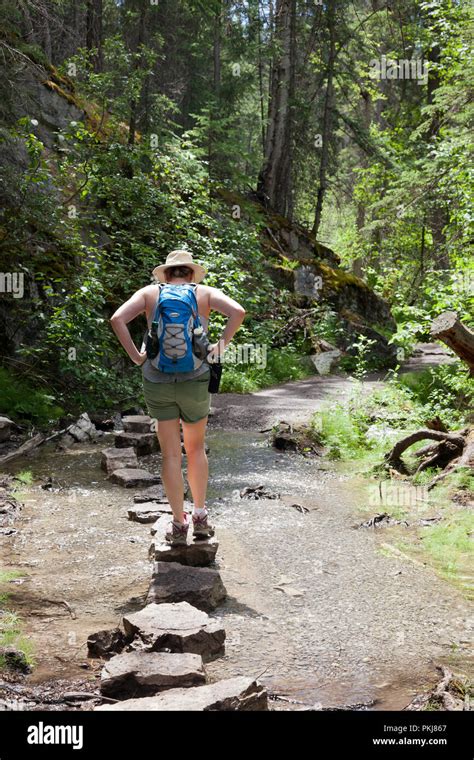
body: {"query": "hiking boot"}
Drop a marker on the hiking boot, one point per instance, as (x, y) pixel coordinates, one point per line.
(201, 526)
(177, 535)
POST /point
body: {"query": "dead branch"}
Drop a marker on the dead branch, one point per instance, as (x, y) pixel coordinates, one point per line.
(393, 458)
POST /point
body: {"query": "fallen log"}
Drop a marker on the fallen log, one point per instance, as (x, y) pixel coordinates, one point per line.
(393, 458)
(450, 330)
(33, 443)
(29, 445)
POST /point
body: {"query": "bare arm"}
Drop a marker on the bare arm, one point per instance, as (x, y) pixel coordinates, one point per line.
(233, 310)
(125, 313)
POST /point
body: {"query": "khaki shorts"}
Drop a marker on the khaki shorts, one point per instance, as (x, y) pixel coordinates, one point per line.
(189, 400)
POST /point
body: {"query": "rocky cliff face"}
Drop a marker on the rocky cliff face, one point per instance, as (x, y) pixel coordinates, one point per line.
(35, 90)
(39, 92)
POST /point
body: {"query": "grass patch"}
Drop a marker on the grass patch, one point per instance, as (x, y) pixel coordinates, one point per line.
(363, 428)
(360, 431)
(11, 633)
(25, 477)
(281, 365)
(448, 548)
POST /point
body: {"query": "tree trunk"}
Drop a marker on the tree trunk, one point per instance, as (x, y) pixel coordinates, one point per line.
(358, 264)
(274, 182)
(134, 104)
(217, 51)
(94, 32)
(327, 118)
(451, 331)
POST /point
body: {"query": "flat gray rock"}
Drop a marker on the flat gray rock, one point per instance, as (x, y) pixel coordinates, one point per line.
(177, 628)
(137, 423)
(196, 553)
(173, 582)
(118, 459)
(143, 443)
(142, 674)
(148, 512)
(241, 693)
(130, 477)
(153, 493)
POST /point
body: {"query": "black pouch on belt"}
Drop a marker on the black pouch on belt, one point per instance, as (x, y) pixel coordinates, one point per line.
(215, 379)
(152, 344)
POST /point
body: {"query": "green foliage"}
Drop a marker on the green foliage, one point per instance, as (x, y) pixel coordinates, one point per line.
(25, 477)
(281, 365)
(403, 404)
(24, 400)
(446, 391)
(10, 625)
(362, 348)
(11, 635)
(340, 431)
(449, 545)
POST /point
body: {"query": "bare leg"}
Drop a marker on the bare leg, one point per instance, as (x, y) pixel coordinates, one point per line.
(169, 436)
(198, 468)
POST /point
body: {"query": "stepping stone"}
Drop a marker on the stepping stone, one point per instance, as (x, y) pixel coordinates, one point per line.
(241, 693)
(129, 477)
(141, 674)
(148, 512)
(137, 423)
(200, 586)
(161, 525)
(197, 553)
(116, 459)
(154, 493)
(175, 627)
(106, 642)
(143, 443)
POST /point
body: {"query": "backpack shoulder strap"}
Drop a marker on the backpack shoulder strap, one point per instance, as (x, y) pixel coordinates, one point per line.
(193, 286)
(157, 307)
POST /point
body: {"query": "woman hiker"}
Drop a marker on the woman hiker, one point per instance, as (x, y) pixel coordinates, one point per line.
(171, 397)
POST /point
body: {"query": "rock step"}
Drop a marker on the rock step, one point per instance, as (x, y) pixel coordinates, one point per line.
(143, 443)
(148, 511)
(129, 477)
(196, 553)
(241, 693)
(106, 642)
(173, 582)
(160, 526)
(154, 493)
(116, 459)
(142, 674)
(177, 628)
(138, 423)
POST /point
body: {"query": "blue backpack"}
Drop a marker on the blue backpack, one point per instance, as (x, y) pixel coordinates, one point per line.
(170, 345)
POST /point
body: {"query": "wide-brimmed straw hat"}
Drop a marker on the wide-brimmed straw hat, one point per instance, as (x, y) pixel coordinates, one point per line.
(180, 258)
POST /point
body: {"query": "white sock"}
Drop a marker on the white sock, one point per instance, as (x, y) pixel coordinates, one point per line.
(184, 521)
(199, 511)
